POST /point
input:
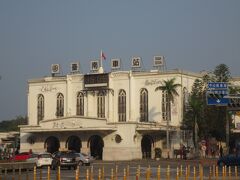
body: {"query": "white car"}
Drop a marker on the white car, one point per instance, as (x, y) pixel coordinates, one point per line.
(83, 159)
(41, 159)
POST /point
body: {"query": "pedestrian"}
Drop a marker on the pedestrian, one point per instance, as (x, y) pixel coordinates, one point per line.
(221, 151)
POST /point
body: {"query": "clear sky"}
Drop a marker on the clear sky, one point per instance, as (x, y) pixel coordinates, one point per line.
(192, 35)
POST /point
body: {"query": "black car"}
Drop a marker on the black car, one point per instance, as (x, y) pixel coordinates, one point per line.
(229, 160)
(64, 159)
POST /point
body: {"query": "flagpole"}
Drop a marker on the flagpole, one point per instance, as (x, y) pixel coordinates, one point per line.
(100, 67)
(101, 59)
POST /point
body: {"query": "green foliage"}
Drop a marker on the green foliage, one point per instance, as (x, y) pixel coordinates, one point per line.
(211, 120)
(12, 125)
(170, 87)
(222, 73)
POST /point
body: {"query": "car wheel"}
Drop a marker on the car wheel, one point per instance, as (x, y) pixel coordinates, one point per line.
(53, 167)
(80, 163)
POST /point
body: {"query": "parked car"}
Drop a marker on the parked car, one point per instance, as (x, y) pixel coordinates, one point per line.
(41, 159)
(21, 156)
(83, 159)
(64, 159)
(229, 160)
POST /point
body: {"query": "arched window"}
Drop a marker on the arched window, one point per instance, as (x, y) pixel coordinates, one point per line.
(165, 106)
(40, 107)
(101, 105)
(185, 99)
(144, 105)
(80, 104)
(122, 106)
(60, 105)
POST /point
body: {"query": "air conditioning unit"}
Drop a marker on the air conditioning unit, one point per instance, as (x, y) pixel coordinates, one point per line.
(136, 62)
(75, 67)
(115, 63)
(94, 65)
(55, 68)
(158, 60)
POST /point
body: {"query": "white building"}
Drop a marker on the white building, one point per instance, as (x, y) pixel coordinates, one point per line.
(114, 116)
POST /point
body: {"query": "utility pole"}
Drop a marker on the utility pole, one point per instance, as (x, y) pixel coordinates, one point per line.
(227, 130)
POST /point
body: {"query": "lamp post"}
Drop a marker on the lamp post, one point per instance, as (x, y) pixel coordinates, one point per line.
(196, 134)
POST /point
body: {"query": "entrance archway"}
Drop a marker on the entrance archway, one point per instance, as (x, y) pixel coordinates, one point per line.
(52, 144)
(74, 143)
(96, 145)
(146, 145)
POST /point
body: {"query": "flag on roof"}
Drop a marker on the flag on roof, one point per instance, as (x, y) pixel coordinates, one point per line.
(103, 55)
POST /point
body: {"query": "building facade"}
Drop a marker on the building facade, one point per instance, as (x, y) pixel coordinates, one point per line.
(114, 116)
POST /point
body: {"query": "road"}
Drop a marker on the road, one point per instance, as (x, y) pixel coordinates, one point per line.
(129, 169)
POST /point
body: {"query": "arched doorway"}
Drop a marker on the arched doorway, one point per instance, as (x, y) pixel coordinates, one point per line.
(74, 143)
(146, 145)
(52, 144)
(96, 146)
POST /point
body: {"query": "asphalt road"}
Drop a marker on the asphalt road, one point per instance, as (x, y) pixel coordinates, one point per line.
(168, 170)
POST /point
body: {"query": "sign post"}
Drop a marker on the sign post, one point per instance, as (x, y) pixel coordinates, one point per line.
(217, 94)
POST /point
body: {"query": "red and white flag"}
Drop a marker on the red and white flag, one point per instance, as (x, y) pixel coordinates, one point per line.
(103, 55)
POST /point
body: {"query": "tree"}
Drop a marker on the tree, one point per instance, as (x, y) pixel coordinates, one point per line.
(170, 88)
(222, 73)
(194, 115)
(12, 125)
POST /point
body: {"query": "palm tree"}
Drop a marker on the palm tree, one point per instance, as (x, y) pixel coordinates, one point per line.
(170, 88)
(196, 108)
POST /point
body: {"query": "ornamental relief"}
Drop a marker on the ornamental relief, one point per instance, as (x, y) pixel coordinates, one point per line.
(68, 124)
(48, 88)
(153, 82)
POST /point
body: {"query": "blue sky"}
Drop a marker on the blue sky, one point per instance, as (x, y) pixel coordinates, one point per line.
(192, 35)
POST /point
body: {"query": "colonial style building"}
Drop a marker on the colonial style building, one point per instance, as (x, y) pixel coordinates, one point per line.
(114, 116)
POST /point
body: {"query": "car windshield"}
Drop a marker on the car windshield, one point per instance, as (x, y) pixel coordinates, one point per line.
(45, 156)
(33, 155)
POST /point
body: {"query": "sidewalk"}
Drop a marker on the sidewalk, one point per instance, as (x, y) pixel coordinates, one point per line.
(202, 161)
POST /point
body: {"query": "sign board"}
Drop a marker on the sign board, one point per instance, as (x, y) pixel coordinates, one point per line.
(94, 65)
(115, 63)
(136, 62)
(96, 80)
(217, 93)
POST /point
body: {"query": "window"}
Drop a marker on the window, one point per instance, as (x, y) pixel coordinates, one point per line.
(101, 105)
(60, 105)
(122, 106)
(40, 107)
(165, 106)
(80, 104)
(144, 105)
(185, 99)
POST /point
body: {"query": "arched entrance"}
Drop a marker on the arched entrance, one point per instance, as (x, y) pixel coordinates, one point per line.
(96, 146)
(74, 143)
(52, 144)
(146, 145)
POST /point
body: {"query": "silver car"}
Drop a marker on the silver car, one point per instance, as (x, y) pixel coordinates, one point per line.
(83, 159)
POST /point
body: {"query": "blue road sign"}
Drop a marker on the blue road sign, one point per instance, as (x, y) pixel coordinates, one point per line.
(217, 85)
(215, 101)
(216, 93)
